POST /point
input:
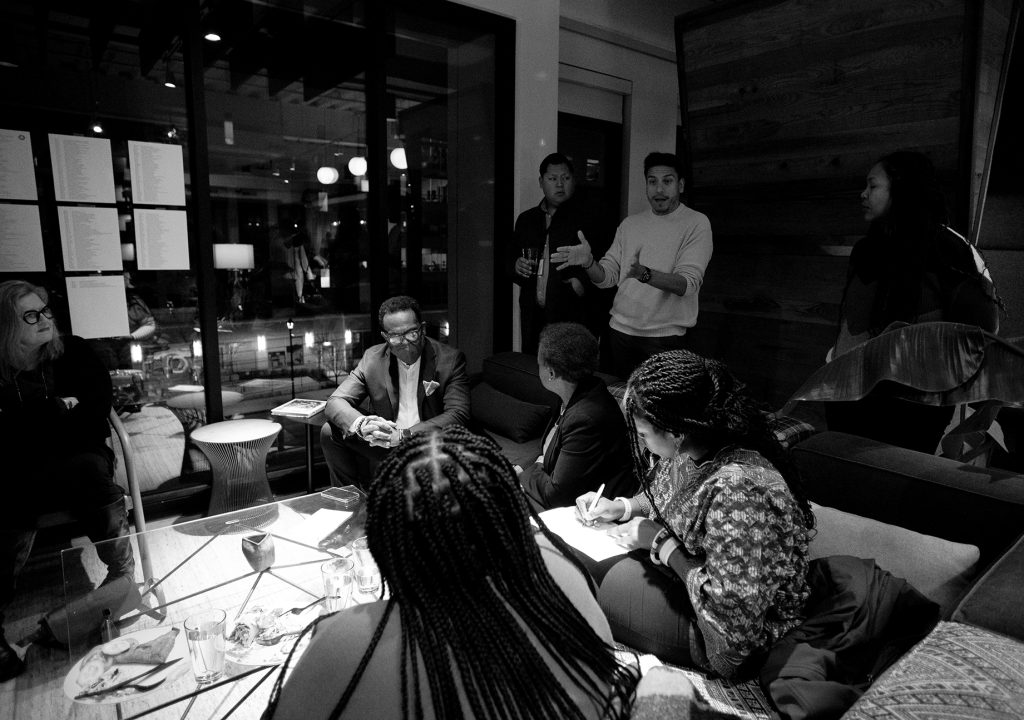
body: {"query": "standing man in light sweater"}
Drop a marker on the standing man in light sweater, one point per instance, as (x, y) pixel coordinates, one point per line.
(657, 261)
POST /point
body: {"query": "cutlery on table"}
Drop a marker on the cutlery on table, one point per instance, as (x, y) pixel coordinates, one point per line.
(130, 681)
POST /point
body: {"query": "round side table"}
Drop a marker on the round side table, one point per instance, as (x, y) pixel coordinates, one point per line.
(190, 409)
(237, 451)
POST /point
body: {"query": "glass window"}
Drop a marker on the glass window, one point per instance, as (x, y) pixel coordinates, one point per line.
(349, 155)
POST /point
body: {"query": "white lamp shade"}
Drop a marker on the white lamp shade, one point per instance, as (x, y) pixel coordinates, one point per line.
(327, 175)
(127, 252)
(357, 165)
(233, 256)
(398, 158)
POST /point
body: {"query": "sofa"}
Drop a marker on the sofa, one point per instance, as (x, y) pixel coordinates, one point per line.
(955, 531)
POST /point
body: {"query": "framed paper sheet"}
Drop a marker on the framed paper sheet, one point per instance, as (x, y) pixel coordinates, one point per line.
(161, 237)
(158, 174)
(21, 242)
(17, 173)
(90, 239)
(98, 305)
(83, 169)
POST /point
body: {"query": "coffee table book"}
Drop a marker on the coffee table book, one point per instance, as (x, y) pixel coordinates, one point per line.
(300, 407)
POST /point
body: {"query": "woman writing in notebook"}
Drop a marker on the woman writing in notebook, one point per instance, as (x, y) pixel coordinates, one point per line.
(722, 513)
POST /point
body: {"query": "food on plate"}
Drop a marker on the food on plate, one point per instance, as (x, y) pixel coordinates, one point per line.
(151, 652)
(267, 627)
(92, 669)
(118, 646)
(243, 633)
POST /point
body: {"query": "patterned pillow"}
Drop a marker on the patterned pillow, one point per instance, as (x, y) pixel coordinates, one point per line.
(958, 671)
(788, 430)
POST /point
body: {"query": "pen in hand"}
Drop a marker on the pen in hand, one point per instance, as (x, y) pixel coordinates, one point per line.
(593, 504)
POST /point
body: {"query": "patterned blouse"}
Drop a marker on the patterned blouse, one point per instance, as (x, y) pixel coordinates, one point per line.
(746, 538)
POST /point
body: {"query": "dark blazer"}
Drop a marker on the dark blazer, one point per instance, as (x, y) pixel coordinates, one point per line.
(375, 379)
(562, 303)
(590, 447)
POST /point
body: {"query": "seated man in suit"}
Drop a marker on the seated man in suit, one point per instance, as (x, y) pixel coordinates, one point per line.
(410, 383)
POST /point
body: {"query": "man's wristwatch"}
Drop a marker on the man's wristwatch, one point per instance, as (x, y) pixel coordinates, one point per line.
(645, 276)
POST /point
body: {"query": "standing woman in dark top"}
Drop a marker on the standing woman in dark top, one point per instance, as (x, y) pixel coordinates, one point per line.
(910, 268)
(54, 401)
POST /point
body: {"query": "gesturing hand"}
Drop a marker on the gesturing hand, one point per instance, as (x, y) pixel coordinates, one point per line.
(571, 255)
(635, 268)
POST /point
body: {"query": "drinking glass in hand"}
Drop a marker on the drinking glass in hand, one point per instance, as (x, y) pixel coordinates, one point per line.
(532, 256)
(204, 632)
(338, 581)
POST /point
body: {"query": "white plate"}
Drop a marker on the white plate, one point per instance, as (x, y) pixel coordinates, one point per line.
(123, 672)
(257, 655)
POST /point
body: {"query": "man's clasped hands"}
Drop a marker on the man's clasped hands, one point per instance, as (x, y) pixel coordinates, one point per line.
(378, 431)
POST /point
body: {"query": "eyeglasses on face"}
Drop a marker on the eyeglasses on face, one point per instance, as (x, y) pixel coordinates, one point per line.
(31, 317)
(398, 338)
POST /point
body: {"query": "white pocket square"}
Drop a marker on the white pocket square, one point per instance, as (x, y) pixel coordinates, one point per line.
(429, 386)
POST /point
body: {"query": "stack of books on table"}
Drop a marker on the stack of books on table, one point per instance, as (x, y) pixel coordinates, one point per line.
(300, 407)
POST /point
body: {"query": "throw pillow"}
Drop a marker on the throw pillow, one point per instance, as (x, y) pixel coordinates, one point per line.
(938, 568)
(495, 411)
(958, 671)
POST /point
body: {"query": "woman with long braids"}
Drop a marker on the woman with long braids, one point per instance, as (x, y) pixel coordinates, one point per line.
(910, 268)
(722, 515)
(484, 619)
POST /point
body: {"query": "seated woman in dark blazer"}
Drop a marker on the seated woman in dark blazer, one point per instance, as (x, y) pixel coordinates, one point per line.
(587, 444)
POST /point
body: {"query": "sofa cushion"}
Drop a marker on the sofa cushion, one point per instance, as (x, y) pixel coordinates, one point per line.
(993, 602)
(939, 569)
(516, 374)
(958, 671)
(506, 415)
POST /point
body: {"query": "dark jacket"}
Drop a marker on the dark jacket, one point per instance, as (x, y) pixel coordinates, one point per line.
(36, 427)
(442, 394)
(590, 447)
(561, 301)
(860, 619)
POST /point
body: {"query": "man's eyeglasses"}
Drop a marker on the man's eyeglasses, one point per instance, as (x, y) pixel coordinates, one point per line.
(31, 317)
(400, 337)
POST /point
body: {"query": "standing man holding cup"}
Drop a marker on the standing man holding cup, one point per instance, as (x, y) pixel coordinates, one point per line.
(547, 295)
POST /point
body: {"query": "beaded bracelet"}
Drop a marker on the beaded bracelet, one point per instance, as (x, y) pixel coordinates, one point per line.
(656, 544)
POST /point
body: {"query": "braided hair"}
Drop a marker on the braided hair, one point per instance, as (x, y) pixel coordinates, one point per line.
(683, 393)
(450, 529)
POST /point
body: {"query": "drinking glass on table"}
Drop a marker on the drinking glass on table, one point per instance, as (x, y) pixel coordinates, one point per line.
(338, 581)
(204, 632)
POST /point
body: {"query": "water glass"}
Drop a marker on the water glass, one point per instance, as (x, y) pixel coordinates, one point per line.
(362, 551)
(368, 576)
(204, 632)
(338, 581)
(532, 256)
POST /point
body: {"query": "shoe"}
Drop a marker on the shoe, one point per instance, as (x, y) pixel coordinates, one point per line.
(11, 666)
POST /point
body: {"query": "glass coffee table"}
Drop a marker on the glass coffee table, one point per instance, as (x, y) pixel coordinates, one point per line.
(261, 566)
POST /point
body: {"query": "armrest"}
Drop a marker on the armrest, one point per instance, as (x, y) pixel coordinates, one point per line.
(993, 602)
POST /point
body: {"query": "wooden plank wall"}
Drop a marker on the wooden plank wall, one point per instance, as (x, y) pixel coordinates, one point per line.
(786, 107)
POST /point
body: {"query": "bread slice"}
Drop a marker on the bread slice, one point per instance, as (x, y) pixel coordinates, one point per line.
(151, 652)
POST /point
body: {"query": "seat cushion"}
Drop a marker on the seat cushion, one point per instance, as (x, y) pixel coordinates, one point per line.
(506, 415)
(958, 671)
(937, 568)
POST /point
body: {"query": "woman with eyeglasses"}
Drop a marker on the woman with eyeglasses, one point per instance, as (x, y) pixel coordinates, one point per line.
(54, 400)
